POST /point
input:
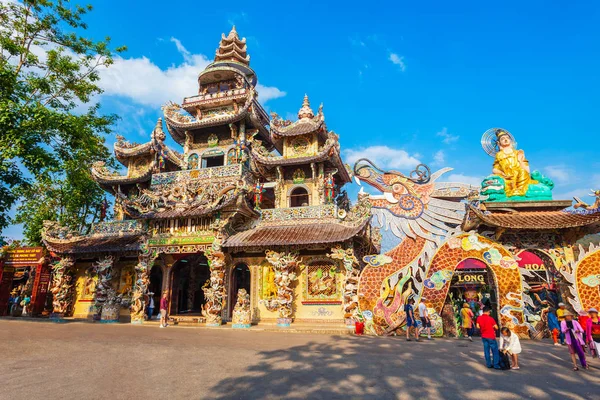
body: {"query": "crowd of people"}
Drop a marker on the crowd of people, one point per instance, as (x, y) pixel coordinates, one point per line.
(580, 338)
(565, 330)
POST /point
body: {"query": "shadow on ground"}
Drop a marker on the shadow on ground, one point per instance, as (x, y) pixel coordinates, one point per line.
(389, 368)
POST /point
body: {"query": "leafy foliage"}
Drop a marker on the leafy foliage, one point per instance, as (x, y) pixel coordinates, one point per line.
(48, 139)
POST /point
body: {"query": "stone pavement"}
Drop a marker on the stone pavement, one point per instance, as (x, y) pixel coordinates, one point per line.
(121, 361)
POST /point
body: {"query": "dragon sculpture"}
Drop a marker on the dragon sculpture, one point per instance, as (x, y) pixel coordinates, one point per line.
(351, 265)
(62, 285)
(422, 213)
(284, 265)
(241, 311)
(103, 269)
(142, 280)
(581, 204)
(214, 288)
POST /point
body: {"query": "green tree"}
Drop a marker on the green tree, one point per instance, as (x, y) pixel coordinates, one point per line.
(48, 73)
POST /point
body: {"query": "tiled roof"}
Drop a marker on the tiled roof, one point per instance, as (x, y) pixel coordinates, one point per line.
(529, 219)
(312, 233)
(94, 244)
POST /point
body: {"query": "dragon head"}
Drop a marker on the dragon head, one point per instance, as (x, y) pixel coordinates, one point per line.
(414, 204)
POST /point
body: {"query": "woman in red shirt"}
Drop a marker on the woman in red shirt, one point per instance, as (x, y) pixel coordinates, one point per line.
(592, 331)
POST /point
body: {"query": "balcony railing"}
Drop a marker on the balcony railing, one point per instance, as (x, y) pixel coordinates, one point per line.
(212, 96)
(224, 171)
(118, 227)
(292, 213)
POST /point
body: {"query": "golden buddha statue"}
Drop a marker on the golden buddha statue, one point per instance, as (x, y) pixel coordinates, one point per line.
(510, 164)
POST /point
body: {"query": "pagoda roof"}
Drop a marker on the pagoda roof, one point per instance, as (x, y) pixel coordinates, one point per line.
(178, 123)
(108, 179)
(307, 123)
(297, 234)
(530, 220)
(125, 150)
(105, 236)
(330, 152)
(231, 48)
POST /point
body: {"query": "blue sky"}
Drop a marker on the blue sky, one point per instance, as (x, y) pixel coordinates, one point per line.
(400, 82)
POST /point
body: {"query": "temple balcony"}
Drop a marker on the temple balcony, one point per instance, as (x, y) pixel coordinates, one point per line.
(116, 228)
(224, 171)
(231, 94)
(326, 211)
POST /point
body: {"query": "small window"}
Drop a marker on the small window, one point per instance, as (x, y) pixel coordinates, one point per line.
(268, 199)
(299, 197)
(214, 161)
(224, 87)
(212, 89)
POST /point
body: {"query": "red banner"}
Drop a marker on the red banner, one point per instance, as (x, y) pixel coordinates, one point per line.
(531, 261)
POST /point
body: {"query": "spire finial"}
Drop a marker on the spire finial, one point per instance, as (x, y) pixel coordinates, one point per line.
(233, 32)
(305, 111)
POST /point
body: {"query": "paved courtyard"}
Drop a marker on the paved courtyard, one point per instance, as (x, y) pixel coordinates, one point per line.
(95, 361)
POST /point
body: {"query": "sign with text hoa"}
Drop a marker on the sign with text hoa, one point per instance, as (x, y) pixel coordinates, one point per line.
(531, 261)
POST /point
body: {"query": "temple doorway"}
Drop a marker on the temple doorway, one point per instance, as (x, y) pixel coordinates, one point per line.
(240, 279)
(155, 287)
(472, 283)
(189, 275)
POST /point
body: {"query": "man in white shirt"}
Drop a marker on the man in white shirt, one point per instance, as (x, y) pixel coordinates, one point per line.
(425, 321)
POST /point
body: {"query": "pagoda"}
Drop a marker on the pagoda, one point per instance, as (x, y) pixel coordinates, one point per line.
(249, 204)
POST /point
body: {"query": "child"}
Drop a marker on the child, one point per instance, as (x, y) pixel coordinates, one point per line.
(510, 344)
(553, 326)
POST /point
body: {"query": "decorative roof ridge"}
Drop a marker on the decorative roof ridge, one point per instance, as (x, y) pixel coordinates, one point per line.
(123, 151)
(102, 175)
(177, 120)
(305, 117)
(332, 141)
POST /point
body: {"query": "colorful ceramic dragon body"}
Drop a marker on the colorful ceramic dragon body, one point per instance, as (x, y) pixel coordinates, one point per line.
(421, 213)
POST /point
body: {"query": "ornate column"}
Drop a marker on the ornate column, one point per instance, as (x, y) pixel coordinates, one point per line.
(285, 265)
(214, 289)
(62, 285)
(140, 288)
(103, 269)
(352, 272)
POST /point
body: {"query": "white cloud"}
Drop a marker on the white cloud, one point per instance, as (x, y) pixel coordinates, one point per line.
(439, 158)
(471, 180)
(383, 156)
(561, 174)
(447, 137)
(143, 82)
(399, 61)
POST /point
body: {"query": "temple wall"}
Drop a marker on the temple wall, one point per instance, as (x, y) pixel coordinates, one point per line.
(318, 299)
(85, 287)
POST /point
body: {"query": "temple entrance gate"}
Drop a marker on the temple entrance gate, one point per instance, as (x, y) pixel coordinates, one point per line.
(188, 275)
(240, 279)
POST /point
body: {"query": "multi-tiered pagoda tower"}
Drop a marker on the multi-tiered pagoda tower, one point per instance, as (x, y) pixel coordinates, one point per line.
(250, 205)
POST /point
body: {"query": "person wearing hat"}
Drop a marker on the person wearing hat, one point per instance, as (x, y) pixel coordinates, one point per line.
(592, 331)
(466, 316)
(150, 308)
(561, 317)
(411, 321)
(574, 338)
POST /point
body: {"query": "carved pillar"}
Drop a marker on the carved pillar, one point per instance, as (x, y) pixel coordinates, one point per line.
(214, 289)
(62, 285)
(103, 269)
(140, 288)
(285, 265)
(351, 275)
